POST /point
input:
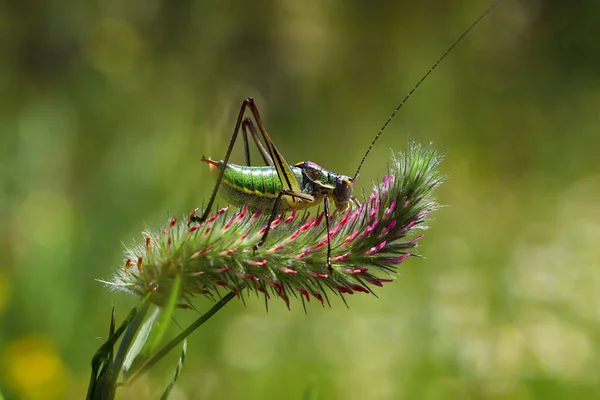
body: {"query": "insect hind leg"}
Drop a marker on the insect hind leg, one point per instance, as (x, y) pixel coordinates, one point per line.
(240, 123)
(248, 125)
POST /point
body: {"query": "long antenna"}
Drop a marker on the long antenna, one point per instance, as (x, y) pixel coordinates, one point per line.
(457, 41)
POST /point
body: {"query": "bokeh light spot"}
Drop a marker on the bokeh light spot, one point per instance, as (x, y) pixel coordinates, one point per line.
(4, 292)
(113, 46)
(250, 342)
(45, 218)
(33, 368)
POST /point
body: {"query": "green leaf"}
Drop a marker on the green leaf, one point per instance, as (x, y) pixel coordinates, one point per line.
(167, 391)
(132, 360)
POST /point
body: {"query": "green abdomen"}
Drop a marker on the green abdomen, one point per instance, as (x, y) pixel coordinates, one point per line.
(256, 187)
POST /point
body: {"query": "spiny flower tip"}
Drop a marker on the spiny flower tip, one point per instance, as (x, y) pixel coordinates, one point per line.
(368, 242)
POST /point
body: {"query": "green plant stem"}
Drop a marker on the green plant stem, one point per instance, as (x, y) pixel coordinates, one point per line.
(182, 336)
(128, 338)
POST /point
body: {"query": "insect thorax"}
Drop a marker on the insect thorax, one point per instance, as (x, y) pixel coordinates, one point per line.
(323, 183)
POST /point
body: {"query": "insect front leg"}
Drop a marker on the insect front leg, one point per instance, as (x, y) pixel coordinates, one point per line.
(326, 210)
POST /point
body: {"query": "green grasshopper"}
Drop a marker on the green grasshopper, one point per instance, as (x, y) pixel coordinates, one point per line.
(279, 187)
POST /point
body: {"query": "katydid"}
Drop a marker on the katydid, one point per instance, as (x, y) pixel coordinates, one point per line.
(279, 187)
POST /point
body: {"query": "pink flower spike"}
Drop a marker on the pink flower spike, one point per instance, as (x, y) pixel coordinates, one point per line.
(263, 291)
(221, 270)
(248, 276)
(341, 258)
(243, 237)
(369, 229)
(334, 230)
(276, 222)
(373, 197)
(291, 217)
(320, 244)
(293, 236)
(276, 248)
(307, 225)
(372, 213)
(422, 214)
(242, 214)
(211, 219)
(200, 291)
(386, 180)
(193, 229)
(355, 271)
(287, 270)
(389, 210)
(388, 228)
(198, 273)
(415, 240)
(378, 281)
(407, 227)
(397, 260)
(319, 219)
(375, 249)
(361, 209)
(350, 238)
(200, 252)
(344, 289)
(301, 255)
(360, 288)
(222, 211)
(318, 297)
(278, 287)
(257, 263)
(173, 222)
(344, 220)
(317, 275)
(256, 215)
(228, 252)
(355, 214)
(304, 292)
(228, 224)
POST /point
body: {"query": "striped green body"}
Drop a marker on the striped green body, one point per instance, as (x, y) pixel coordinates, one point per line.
(258, 187)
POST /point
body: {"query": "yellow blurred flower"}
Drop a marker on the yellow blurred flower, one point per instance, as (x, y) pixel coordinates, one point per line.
(33, 369)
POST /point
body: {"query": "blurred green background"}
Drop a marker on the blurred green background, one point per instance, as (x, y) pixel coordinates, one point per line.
(107, 107)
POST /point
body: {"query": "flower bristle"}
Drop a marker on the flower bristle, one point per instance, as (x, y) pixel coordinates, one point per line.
(368, 242)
